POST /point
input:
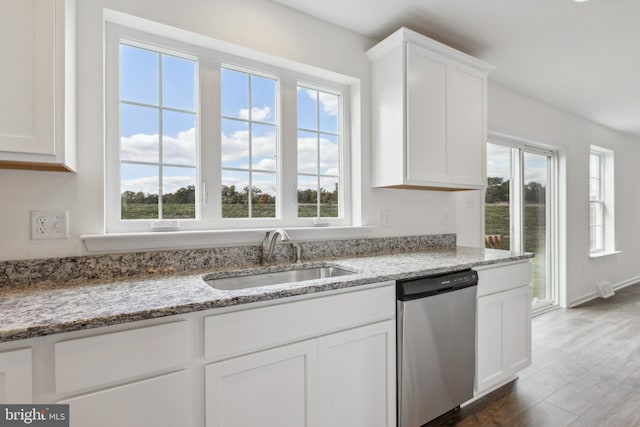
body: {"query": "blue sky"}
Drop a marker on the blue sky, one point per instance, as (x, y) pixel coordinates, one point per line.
(243, 96)
(499, 164)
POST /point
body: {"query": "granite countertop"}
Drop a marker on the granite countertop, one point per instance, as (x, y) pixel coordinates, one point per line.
(38, 310)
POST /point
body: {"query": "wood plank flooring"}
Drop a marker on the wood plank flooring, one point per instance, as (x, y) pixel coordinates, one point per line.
(585, 371)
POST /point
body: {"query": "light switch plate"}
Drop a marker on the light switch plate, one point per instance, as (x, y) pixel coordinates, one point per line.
(49, 225)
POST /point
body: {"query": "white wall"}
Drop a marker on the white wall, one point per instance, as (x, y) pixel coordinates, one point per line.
(524, 117)
(258, 24)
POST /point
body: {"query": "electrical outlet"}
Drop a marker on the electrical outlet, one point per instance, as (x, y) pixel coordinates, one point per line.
(385, 218)
(445, 217)
(49, 225)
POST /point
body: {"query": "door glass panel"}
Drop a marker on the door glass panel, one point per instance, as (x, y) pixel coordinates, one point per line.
(535, 185)
(498, 198)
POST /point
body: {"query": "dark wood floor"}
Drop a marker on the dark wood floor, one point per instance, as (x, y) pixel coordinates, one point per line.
(585, 371)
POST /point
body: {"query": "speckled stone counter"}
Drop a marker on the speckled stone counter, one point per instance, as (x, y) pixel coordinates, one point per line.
(28, 311)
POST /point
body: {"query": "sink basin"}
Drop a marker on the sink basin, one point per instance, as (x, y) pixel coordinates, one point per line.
(274, 278)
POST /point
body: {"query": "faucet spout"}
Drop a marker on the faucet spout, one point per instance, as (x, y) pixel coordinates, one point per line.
(269, 243)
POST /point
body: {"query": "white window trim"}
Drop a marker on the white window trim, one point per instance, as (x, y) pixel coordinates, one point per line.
(607, 184)
(211, 176)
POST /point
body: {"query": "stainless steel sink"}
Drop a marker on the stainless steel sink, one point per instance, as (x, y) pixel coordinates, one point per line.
(274, 278)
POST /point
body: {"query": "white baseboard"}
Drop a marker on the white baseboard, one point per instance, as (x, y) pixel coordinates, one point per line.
(592, 295)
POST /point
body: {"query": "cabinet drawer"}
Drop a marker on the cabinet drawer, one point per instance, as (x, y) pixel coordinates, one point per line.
(503, 277)
(104, 359)
(163, 401)
(251, 330)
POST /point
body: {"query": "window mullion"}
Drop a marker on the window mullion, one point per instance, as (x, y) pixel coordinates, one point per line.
(211, 137)
(288, 146)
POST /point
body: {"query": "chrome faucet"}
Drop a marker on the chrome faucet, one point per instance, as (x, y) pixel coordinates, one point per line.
(269, 243)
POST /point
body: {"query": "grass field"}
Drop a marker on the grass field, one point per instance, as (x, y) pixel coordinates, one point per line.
(175, 211)
(497, 222)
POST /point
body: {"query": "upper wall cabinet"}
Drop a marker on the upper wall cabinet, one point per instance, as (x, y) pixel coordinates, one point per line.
(429, 115)
(37, 83)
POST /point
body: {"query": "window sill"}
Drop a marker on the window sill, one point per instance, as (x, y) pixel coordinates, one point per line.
(119, 242)
(603, 254)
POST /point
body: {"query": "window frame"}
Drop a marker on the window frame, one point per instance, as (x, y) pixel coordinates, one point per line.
(605, 202)
(208, 136)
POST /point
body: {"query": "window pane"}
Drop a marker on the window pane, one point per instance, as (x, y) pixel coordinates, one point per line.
(596, 216)
(307, 108)
(178, 193)
(139, 186)
(235, 144)
(307, 196)
(234, 87)
(535, 170)
(263, 145)
(329, 109)
(179, 138)
(594, 189)
(307, 152)
(235, 190)
(594, 166)
(596, 239)
(329, 155)
(178, 83)
(329, 197)
(263, 195)
(139, 133)
(497, 197)
(138, 75)
(263, 99)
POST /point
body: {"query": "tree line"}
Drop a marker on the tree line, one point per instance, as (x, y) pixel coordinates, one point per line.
(498, 191)
(230, 196)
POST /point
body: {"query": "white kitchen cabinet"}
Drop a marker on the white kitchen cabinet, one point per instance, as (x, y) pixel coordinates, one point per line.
(357, 377)
(327, 361)
(275, 387)
(503, 324)
(429, 115)
(37, 82)
(16, 376)
(163, 401)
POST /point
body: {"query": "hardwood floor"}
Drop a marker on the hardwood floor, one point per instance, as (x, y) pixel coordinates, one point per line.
(585, 371)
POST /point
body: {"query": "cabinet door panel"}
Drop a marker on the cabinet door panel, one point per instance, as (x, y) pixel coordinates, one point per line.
(160, 402)
(489, 369)
(27, 43)
(16, 377)
(426, 116)
(357, 377)
(466, 131)
(517, 330)
(271, 388)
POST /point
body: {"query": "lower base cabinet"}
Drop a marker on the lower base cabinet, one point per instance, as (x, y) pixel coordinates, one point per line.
(343, 379)
(503, 326)
(160, 402)
(16, 376)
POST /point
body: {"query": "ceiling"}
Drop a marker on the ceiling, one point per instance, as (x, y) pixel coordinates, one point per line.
(580, 57)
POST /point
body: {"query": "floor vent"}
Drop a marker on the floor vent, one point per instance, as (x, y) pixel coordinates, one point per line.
(604, 289)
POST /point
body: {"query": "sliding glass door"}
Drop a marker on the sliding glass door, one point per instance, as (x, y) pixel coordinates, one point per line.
(519, 210)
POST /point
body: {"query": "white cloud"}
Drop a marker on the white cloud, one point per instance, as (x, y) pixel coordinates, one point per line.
(328, 101)
(144, 148)
(257, 114)
(235, 147)
(149, 184)
(307, 157)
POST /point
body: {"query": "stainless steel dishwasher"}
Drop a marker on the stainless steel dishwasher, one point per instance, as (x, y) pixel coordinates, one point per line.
(436, 345)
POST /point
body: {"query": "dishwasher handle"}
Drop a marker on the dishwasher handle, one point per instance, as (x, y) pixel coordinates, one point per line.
(422, 287)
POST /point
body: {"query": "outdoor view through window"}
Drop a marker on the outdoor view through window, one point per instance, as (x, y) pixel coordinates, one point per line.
(517, 209)
(158, 122)
(159, 147)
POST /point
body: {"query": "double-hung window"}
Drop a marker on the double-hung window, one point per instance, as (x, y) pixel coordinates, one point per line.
(601, 202)
(202, 139)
